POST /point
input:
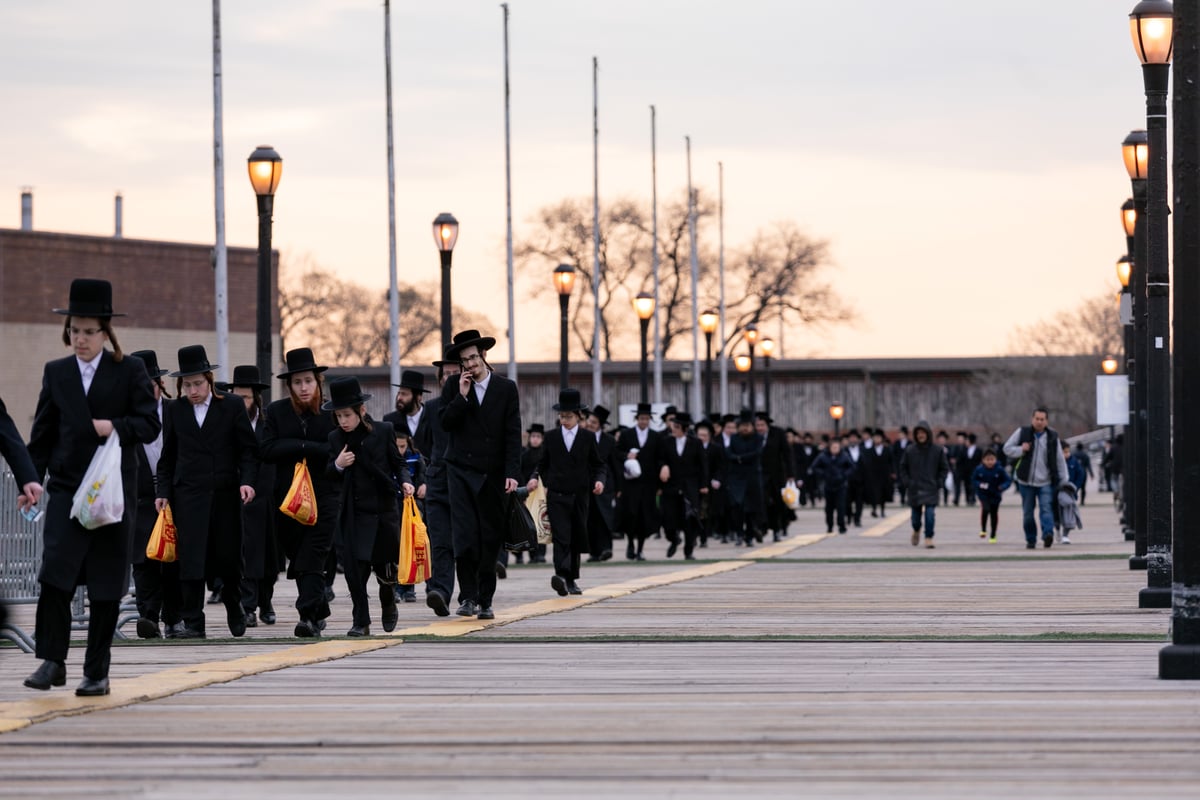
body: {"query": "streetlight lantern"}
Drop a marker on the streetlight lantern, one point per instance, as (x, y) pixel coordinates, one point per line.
(741, 362)
(266, 169)
(836, 412)
(750, 334)
(708, 321)
(1129, 218)
(1151, 25)
(1135, 151)
(564, 282)
(768, 347)
(643, 305)
(1109, 365)
(1124, 269)
(445, 234)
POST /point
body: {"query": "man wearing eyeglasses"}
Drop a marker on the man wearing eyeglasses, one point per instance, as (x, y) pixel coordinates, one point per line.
(482, 418)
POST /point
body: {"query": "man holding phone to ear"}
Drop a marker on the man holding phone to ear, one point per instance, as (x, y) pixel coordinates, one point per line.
(481, 415)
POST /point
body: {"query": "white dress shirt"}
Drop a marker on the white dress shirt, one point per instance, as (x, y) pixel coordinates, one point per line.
(568, 435)
(481, 387)
(415, 419)
(680, 441)
(87, 370)
(642, 435)
(201, 410)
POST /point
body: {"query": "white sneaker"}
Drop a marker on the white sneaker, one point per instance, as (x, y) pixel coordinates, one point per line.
(1066, 539)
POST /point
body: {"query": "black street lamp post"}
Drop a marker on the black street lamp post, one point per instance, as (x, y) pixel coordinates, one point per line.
(709, 319)
(1151, 24)
(750, 334)
(768, 350)
(643, 304)
(1135, 151)
(266, 168)
(1180, 660)
(445, 234)
(836, 412)
(1127, 485)
(564, 282)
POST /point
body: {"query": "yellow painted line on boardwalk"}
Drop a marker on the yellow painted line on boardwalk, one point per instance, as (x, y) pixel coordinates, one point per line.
(23, 713)
(886, 525)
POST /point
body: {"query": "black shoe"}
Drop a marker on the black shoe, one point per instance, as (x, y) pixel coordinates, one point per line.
(573, 588)
(267, 615)
(1031, 545)
(672, 548)
(307, 629)
(487, 613)
(251, 620)
(1047, 541)
(559, 584)
(468, 608)
(776, 537)
(632, 556)
(50, 673)
(437, 601)
(172, 631)
(409, 595)
(320, 624)
(390, 615)
(688, 557)
(841, 530)
(92, 688)
(359, 630)
(606, 555)
(189, 633)
(215, 597)
(237, 622)
(593, 559)
(501, 571)
(147, 629)
(640, 557)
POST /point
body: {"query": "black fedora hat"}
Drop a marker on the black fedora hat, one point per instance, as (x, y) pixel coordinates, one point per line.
(299, 360)
(745, 416)
(465, 339)
(344, 393)
(90, 297)
(193, 361)
(643, 408)
(445, 359)
(150, 359)
(536, 427)
(682, 419)
(569, 400)
(247, 376)
(412, 380)
(601, 413)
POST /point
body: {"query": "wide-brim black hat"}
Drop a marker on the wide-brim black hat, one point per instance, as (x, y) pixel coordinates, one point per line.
(193, 361)
(248, 377)
(746, 415)
(465, 339)
(413, 381)
(601, 413)
(682, 418)
(90, 297)
(764, 416)
(344, 393)
(445, 359)
(569, 400)
(150, 359)
(299, 360)
(536, 427)
(643, 408)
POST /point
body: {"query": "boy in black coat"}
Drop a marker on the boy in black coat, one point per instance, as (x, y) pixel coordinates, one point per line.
(570, 468)
(683, 472)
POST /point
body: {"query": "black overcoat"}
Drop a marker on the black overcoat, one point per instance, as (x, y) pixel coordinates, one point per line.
(199, 474)
(605, 503)
(637, 507)
(12, 448)
(260, 553)
(147, 515)
(368, 489)
(63, 442)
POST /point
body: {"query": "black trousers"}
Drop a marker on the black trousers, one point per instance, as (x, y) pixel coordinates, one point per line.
(854, 501)
(835, 500)
(258, 593)
(676, 519)
(478, 519)
(600, 538)
(383, 532)
(194, 593)
(988, 512)
(441, 546)
(568, 526)
(156, 585)
(53, 630)
(307, 548)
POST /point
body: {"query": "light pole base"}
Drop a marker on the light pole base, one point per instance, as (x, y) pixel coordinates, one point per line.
(1137, 563)
(1154, 597)
(1179, 662)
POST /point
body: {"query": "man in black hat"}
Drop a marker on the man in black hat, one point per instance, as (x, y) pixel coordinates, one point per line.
(156, 584)
(207, 470)
(531, 456)
(260, 548)
(570, 468)
(440, 587)
(602, 507)
(635, 503)
(482, 415)
(410, 410)
(743, 460)
(87, 397)
(683, 472)
(777, 471)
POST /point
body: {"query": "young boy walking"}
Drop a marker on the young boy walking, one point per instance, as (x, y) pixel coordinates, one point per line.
(990, 480)
(923, 468)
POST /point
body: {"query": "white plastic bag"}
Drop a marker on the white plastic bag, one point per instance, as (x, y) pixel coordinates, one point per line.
(100, 499)
(790, 495)
(633, 468)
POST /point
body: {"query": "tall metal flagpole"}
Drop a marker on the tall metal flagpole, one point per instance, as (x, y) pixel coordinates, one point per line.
(694, 402)
(658, 354)
(221, 260)
(512, 320)
(393, 289)
(596, 372)
(721, 279)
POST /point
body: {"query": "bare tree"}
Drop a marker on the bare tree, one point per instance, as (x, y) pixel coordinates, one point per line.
(347, 324)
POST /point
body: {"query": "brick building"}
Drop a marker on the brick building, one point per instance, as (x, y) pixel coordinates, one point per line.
(165, 289)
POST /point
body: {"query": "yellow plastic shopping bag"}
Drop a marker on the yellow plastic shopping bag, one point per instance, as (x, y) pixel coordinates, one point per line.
(415, 565)
(300, 503)
(161, 546)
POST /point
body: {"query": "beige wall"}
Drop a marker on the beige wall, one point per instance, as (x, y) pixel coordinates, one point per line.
(24, 348)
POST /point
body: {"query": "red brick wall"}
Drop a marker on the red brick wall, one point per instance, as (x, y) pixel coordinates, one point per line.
(156, 284)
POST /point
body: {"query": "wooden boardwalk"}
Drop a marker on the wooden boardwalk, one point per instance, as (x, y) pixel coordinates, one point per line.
(843, 666)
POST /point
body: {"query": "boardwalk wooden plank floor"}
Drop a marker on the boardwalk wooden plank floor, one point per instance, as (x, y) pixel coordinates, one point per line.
(852, 667)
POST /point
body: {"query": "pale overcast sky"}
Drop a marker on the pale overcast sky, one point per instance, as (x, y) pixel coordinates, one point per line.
(961, 158)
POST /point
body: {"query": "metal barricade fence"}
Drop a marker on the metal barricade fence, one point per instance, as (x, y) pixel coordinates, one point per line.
(20, 557)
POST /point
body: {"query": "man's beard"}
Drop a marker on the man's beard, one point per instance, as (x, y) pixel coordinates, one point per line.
(409, 408)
